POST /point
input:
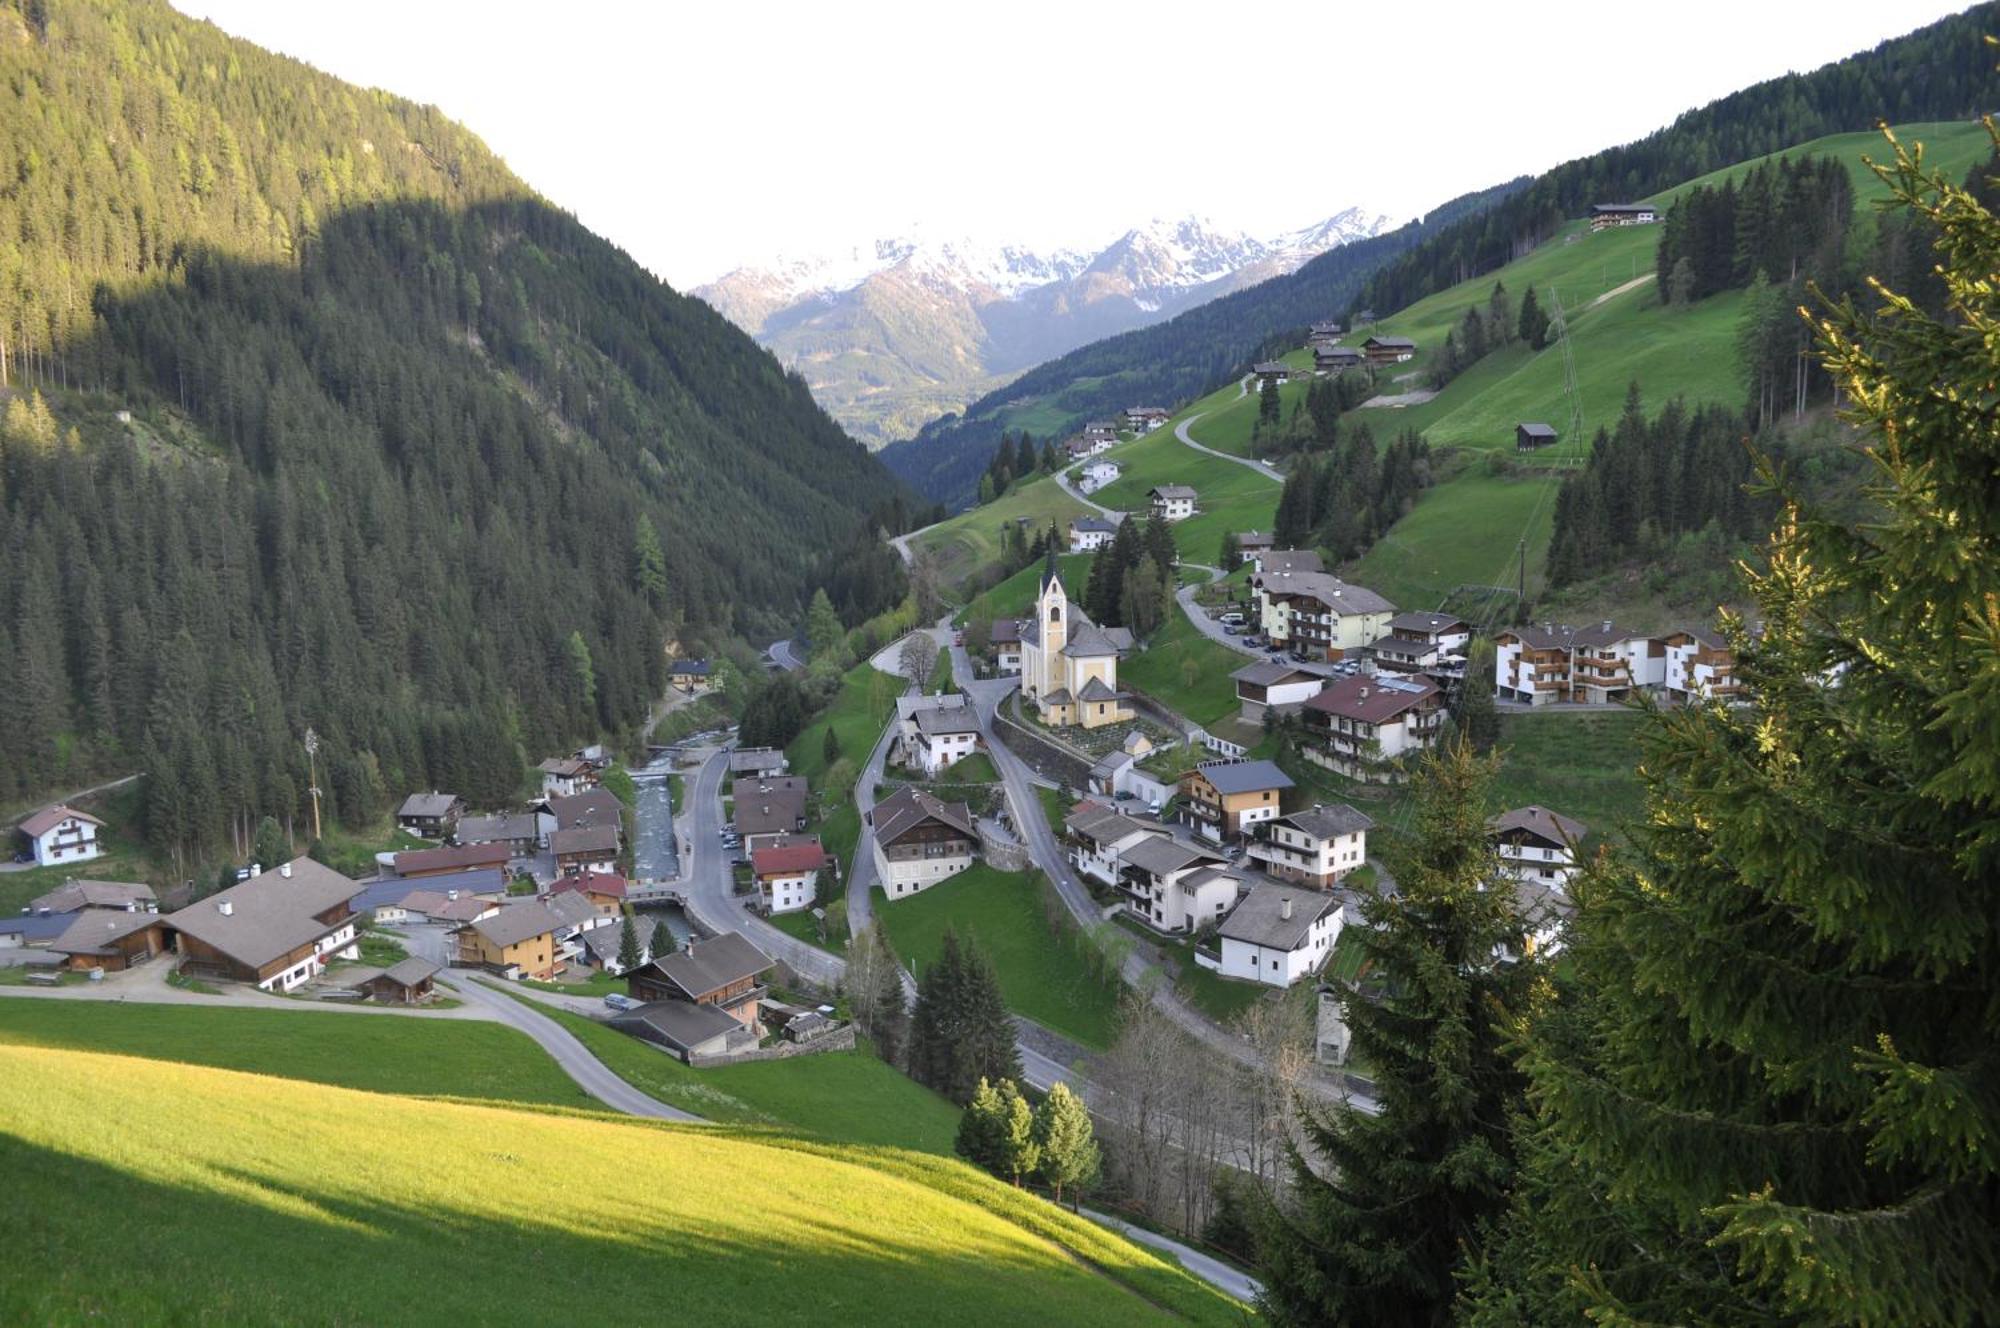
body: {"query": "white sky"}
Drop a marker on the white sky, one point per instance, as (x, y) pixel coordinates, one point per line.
(701, 135)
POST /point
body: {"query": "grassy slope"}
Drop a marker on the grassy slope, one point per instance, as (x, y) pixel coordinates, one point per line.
(222, 1181)
(379, 1053)
(1463, 532)
(1583, 766)
(972, 540)
(1041, 977)
(1013, 597)
(1204, 694)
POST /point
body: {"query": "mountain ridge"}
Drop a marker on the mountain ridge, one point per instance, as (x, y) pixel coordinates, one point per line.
(891, 333)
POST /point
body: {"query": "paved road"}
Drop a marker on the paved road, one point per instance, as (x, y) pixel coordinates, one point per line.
(1206, 625)
(711, 899)
(1068, 487)
(1210, 1269)
(1181, 432)
(786, 654)
(861, 872)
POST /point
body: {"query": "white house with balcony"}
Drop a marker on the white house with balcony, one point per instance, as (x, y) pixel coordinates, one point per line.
(1098, 838)
(1094, 475)
(1537, 845)
(1700, 667)
(1174, 502)
(1596, 665)
(62, 836)
(1358, 725)
(1087, 534)
(1175, 887)
(1316, 847)
(1276, 935)
(1433, 643)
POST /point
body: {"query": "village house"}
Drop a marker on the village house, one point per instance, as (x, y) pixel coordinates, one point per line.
(720, 975)
(518, 941)
(409, 981)
(73, 895)
(1098, 837)
(1175, 887)
(1606, 215)
(1081, 446)
(520, 833)
(934, 732)
(1316, 847)
(430, 815)
(1005, 634)
(787, 871)
(576, 919)
(61, 836)
(690, 675)
(1277, 562)
(566, 776)
(385, 900)
(1430, 643)
(598, 806)
(447, 907)
(421, 862)
(1144, 419)
(112, 939)
(276, 930)
(1321, 617)
(1225, 799)
(1069, 665)
(1119, 775)
(1700, 667)
(1530, 435)
(1332, 361)
(920, 840)
(1173, 502)
(1388, 350)
(768, 807)
(1595, 665)
(1271, 371)
(757, 761)
(1277, 935)
(1325, 332)
(598, 948)
(1096, 474)
(1273, 685)
(1255, 543)
(1358, 724)
(605, 892)
(1101, 431)
(1536, 844)
(1087, 534)
(591, 848)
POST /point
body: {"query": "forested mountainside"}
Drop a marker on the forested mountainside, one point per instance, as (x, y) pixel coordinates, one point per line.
(1940, 72)
(1162, 365)
(316, 415)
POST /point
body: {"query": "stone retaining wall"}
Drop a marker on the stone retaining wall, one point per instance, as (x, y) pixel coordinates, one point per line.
(840, 1039)
(1042, 755)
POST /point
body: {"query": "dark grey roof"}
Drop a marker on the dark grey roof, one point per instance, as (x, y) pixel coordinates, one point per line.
(1428, 622)
(1623, 207)
(746, 761)
(73, 895)
(1325, 822)
(708, 966)
(949, 719)
(270, 914)
(1270, 672)
(571, 908)
(1540, 822)
(1287, 560)
(427, 804)
(1536, 429)
(585, 839)
(92, 930)
(604, 942)
(1341, 596)
(1096, 524)
(1162, 855)
(516, 923)
(907, 808)
(1101, 824)
(1270, 367)
(1258, 918)
(498, 829)
(1094, 689)
(396, 890)
(1391, 343)
(1172, 491)
(36, 928)
(689, 668)
(1244, 776)
(409, 972)
(591, 807)
(774, 812)
(681, 1024)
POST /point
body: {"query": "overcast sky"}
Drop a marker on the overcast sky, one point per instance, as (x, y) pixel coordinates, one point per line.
(701, 136)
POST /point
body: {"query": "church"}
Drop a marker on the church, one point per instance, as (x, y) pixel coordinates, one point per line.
(1069, 665)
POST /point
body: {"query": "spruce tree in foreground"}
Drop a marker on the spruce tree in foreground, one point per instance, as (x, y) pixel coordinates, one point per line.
(1068, 1143)
(981, 1129)
(1387, 1205)
(628, 943)
(1772, 1093)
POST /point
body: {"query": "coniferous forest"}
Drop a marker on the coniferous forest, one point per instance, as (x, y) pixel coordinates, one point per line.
(316, 416)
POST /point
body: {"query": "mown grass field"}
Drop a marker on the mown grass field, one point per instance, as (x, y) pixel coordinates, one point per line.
(1230, 497)
(971, 540)
(1042, 976)
(381, 1053)
(202, 1194)
(1186, 671)
(1582, 765)
(1013, 597)
(857, 715)
(1463, 532)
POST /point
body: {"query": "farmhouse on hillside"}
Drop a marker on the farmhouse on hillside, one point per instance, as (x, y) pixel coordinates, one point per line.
(1605, 215)
(1096, 475)
(59, 836)
(1090, 533)
(1388, 350)
(1224, 799)
(430, 815)
(1536, 844)
(690, 675)
(1173, 502)
(1144, 419)
(1332, 361)
(787, 871)
(277, 930)
(934, 732)
(1271, 371)
(920, 840)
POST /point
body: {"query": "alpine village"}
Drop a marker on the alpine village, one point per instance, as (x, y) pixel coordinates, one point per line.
(1448, 773)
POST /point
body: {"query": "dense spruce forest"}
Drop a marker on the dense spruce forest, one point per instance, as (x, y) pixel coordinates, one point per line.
(316, 416)
(1941, 72)
(1165, 364)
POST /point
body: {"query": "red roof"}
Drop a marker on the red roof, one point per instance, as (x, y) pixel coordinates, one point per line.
(594, 883)
(788, 856)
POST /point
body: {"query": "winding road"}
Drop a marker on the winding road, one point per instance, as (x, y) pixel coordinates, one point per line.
(1181, 432)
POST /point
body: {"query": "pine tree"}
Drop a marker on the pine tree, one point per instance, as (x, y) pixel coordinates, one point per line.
(1068, 1143)
(1387, 1210)
(1768, 1093)
(628, 944)
(982, 1130)
(1231, 555)
(1267, 402)
(985, 1030)
(1533, 325)
(824, 633)
(649, 563)
(891, 1028)
(829, 748)
(1019, 1151)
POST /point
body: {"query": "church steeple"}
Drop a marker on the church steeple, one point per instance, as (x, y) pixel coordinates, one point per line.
(1049, 572)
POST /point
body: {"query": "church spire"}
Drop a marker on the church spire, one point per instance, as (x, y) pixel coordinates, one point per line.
(1048, 568)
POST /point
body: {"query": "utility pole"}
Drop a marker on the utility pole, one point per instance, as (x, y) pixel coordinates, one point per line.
(312, 785)
(1521, 588)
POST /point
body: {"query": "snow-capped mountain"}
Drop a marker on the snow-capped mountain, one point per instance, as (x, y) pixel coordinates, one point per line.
(898, 331)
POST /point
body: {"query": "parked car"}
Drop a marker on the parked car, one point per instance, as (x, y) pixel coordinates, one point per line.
(617, 1002)
(1231, 619)
(1231, 629)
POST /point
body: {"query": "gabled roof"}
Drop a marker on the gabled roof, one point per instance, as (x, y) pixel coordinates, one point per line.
(1101, 824)
(760, 786)
(698, 668)
(681, 1024)
(1004, 631)
(565, 767)
(1259, 918)
(571, 909)
(939, 721)
(1536, 429)
(427, 805)
(1391, 343)
(1543, 824)
(446, 859)
(591, 883)
(1094, 689)
(596, 806)
(1231, 777)
(1270, 673)
(498, 829)
(706, 967)
(409, 972)
(775, 812)
(907, 808)
(463, 909)
(1162, 855)
(269, 915)
(1087, 525)
(1171, 491)
(605, 942)
(1435, 623)
(585, 839)
(1089, 641)
(1372, 700)
(1279, 561)
(48, 818)
(1255, 539)
(516, 923)
(1329, 821)
(789, 855)
(1340, 596)
(1270, 367)
(92, 930)
(1622, 207)
(73, 895)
